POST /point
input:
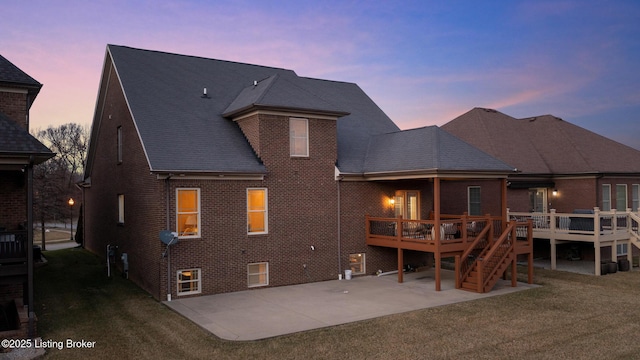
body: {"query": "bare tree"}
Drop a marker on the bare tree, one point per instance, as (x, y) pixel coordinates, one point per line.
(54, 180)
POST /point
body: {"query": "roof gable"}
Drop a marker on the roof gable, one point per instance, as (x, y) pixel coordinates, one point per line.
(182, 131)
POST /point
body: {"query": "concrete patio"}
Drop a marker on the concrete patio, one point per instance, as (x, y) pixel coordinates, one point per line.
(268, 312)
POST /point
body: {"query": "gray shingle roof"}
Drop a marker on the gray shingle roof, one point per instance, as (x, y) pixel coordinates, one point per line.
(181, 131)
(276, 92)
(17, 142)
(11, 75)
(544, 145)
(428, 148)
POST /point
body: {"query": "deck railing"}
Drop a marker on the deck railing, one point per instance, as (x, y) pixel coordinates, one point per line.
(13, 246)
(585, 225)
(452, 227)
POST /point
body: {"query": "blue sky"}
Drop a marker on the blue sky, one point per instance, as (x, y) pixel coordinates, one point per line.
(422, 62)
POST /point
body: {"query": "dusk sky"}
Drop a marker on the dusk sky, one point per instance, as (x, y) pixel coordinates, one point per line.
(423, 62)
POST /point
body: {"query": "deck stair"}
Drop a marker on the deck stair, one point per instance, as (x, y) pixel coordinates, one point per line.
(480, 267)
(633, 229)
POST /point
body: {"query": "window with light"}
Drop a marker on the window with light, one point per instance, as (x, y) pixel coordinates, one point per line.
(257, 211)
(189, 282)
(188, 212)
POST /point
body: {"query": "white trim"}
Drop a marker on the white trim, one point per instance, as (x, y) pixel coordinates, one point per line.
(13, 90)
(286, 114)
(265, 273)
(199, 232)
(265, 211)
(306, 137)
(198, 281)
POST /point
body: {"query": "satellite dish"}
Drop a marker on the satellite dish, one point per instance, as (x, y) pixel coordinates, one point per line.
(168, 237)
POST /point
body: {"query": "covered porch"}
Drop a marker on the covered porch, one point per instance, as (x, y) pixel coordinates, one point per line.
(475, 241)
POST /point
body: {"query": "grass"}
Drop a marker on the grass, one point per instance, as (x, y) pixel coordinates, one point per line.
(571, 316)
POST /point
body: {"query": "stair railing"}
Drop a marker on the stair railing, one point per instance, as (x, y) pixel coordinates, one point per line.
(464, 263)
(489, 264)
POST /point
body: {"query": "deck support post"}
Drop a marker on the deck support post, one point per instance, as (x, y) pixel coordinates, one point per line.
(400, 265)
(438, 234)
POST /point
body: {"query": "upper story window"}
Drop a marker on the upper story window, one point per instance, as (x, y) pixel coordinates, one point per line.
(635, 197)
(299, 137)
(257, 211)
(119, 139)
(188, 212)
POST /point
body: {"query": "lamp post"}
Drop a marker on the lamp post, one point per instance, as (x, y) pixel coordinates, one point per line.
(71, 202)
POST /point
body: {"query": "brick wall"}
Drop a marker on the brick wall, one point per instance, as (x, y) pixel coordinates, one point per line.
(144, 197)
(13, 192)
(454, 196)
(14, 105)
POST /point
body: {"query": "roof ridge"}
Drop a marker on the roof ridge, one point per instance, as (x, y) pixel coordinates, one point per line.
(198, 57)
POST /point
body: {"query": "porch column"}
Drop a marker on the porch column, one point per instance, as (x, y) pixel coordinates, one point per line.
(596, 242)
(552, 238)
(436, 213)
(503, 196)
(30, 308)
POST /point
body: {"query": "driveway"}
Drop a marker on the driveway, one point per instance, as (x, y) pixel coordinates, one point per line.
(263, 313)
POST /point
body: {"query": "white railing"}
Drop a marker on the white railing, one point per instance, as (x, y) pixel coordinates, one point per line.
(581, 225)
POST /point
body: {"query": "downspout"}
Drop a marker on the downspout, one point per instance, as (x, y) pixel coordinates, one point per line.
(338, 179)
(168, 204)
(30, 246)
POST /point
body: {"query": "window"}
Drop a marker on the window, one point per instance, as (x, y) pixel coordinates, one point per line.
(407, 204)
(119, 137)
(621, 249)
(474, 207)
(258, 274)
(189, 282)
(188, 212)
(357, 263)
(606, 197)
(621, 197)
(120, 208)
(538, 200)
(299, 137)
(257, 211)
(635, 197)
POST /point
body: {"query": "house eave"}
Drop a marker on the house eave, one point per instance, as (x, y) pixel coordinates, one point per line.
(422, 174)
(206, 175)
(288, 111)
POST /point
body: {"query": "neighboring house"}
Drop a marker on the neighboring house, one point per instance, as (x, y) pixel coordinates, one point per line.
(19, 152)
(267, 178)
(562, 168)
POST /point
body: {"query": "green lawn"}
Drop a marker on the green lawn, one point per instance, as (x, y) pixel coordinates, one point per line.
(571, 317)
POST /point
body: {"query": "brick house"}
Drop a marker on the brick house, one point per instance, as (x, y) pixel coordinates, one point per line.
(266, 177)
(19, 152)
(562, 168)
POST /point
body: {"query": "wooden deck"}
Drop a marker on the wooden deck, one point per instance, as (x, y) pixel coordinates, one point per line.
(601, 228)
(457, 235)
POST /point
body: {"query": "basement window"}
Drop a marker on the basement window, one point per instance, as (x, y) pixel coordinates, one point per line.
(189, 282)
(258, 274)
(357, 263)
